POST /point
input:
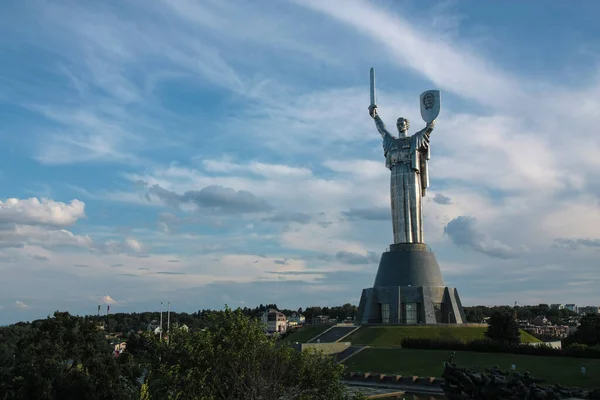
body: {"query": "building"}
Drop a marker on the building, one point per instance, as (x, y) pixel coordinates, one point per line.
(296, 319)
(555, 331)
(120, 348)
(557, 306)
(275, 321)
(571, 307)
(153, 325)
(589, 310)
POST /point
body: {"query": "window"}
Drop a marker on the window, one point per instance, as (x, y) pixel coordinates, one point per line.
(385, 313)
(411, 313)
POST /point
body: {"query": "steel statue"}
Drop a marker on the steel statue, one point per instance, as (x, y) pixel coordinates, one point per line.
(407, 158)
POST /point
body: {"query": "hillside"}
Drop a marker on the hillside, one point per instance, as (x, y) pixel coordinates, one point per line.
(393, 335)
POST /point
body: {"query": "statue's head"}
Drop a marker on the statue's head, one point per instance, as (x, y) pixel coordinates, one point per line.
(402, 124)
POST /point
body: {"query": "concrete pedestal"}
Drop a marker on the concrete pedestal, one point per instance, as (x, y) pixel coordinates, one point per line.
(409, 289)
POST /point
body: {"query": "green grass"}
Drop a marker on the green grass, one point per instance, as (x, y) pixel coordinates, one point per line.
(304, 334)
(393, 335)
(409, 362)
(528, 338)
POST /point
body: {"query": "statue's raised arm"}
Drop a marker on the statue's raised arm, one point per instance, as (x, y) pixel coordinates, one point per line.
(379, 122)
(385, 134)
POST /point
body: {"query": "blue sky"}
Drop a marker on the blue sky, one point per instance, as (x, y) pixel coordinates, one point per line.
(210, 153)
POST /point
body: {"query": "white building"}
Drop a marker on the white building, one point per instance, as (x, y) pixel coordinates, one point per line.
(296, 319)
(153, 325)
(275, 321)
(557, 306)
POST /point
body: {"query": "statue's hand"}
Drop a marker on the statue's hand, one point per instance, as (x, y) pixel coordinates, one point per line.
(373, 111)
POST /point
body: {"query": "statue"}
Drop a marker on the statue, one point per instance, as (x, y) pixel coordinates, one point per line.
(406, 156)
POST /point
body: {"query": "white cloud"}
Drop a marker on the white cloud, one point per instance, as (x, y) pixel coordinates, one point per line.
(108, 300)
(270, 171)
(22, 235)
(127, 246)
(40, 212)
(21, 305)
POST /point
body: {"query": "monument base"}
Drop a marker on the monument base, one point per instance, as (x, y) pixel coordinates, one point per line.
(409, 305)
(409, 289)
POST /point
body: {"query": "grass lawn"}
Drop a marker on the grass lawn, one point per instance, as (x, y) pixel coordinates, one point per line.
(393, 335)
(304, 334)
(408, 362)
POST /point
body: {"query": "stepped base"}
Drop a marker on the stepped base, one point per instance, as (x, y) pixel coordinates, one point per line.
(409, 289)
(409, 305)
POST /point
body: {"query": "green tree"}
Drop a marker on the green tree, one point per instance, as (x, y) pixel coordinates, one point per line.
(504, 329)
(67, 357)
(588, 332)
(232, 358)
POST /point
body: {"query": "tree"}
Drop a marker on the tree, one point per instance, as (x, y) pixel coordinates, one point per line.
(66, 357)
(504, 329)
(587, 333)
(232, 358)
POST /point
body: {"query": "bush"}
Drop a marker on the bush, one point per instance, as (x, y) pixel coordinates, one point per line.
(491, 346)
(582, 351)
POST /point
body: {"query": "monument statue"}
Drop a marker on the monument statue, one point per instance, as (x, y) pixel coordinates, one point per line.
(409, 287)
(406, 156)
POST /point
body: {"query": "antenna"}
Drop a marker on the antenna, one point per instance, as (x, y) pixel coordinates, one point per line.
(169, 324)
(161, 313)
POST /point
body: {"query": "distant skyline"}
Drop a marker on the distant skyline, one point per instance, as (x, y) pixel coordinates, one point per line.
(210, 153)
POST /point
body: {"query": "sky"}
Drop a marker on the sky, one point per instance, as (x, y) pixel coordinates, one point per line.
(206, 153)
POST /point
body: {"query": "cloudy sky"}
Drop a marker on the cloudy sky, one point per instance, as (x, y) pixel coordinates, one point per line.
(210, 152)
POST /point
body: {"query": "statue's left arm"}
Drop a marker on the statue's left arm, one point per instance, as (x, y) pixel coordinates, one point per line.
(422, 137)
(423, 153)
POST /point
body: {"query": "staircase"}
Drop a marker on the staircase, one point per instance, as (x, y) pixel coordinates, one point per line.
(334, 334)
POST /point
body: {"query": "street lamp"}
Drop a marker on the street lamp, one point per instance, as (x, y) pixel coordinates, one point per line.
(449, 313)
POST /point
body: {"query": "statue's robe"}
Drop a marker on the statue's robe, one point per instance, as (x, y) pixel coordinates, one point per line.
(407, 158)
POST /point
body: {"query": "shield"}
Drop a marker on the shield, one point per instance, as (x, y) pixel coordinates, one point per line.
(430, 105)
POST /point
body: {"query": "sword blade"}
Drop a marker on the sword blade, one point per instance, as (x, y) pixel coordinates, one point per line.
(373, 99)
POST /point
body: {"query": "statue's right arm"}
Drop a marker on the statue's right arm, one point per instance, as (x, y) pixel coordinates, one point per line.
(381, 126)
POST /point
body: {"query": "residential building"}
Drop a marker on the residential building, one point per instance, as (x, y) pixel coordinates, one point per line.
(153, 325)
(589, 310)
(545, 329)
(296, 319)
(571, 307)
(275, 321)
(120, 348)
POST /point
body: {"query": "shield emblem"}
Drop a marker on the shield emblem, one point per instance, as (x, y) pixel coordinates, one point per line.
(430, 105)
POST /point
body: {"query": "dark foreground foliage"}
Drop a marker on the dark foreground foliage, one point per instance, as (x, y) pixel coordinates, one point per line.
(68, 357)
(494, 383)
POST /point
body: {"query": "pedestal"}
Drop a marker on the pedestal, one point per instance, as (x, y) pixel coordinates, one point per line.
(409, 289)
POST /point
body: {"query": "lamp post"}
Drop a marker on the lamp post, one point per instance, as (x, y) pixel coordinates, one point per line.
(449, 314)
